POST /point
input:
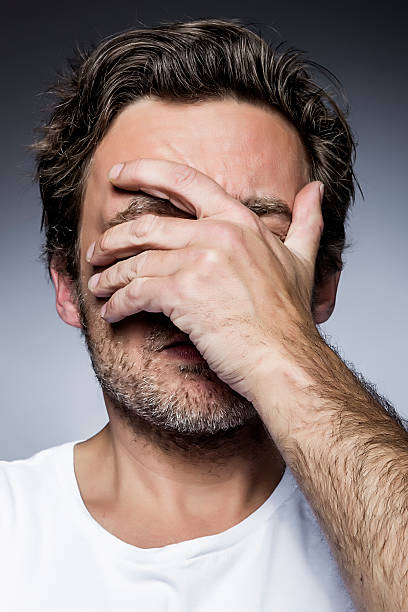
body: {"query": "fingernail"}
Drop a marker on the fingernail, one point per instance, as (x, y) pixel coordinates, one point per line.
(103, 310)
(93, 281)
(321, 189)
(90, 252)
(115, 171)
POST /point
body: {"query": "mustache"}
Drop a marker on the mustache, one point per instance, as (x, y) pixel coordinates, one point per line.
(162, 327)
(162, 330)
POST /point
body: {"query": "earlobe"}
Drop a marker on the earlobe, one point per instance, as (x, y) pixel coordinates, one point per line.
(326, 298)
(65, 304)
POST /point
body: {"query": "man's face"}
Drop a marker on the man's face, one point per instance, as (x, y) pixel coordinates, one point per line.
(252, 153)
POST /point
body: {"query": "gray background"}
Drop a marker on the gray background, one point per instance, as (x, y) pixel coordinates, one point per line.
(49, 393)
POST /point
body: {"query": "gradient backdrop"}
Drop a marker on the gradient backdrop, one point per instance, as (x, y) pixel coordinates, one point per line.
(49, 392)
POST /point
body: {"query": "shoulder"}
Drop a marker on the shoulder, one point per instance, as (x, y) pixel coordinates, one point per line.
(23, 481)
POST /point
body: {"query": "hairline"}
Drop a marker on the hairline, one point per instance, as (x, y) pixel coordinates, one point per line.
(227, 95)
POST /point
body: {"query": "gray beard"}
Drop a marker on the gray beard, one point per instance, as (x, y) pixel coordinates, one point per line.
(186, 419)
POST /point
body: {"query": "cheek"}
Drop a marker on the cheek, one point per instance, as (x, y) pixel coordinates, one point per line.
(121, 345)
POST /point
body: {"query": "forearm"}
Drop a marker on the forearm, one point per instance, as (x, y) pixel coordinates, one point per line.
(350, 458)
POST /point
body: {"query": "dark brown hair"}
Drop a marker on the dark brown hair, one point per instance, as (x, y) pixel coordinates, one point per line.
(187, 62)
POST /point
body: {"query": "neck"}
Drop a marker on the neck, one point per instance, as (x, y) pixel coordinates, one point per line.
(228, 474)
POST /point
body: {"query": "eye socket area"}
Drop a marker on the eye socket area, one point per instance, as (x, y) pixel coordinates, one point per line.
(277, 224)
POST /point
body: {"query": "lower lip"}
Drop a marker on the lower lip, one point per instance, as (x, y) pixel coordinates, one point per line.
(185, 351)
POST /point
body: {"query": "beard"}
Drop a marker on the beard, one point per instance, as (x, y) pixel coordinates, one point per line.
(168, 403)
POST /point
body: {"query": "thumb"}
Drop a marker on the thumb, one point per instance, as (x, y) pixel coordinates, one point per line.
(305, 231)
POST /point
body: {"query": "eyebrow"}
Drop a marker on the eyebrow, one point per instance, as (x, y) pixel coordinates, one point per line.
(142, 203)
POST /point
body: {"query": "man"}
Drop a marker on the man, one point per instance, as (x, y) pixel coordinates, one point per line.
(195, 186)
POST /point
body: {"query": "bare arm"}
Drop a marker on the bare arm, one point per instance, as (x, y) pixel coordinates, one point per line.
(348, 454)
(348, 450)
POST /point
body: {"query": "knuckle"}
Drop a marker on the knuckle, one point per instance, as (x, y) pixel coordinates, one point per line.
(220, 231)
(106, 240)
(184, 281)
(209, 258)
(108, 276)
(143, 225)
(227, 234)
(184, 175)
(124, 272)
(115, 301)
(132, 291)
(136, 268)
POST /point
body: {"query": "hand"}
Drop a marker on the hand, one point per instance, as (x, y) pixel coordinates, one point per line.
(224, 278)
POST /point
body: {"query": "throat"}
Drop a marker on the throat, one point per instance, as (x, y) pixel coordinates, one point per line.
(150, 503)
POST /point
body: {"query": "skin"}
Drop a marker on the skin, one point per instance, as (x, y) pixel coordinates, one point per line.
(348, 454)
(126, 475)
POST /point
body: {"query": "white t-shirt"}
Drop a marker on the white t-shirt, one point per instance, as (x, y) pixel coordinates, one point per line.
(55, 557)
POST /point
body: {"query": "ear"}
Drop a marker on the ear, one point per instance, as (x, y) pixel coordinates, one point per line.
(325, 298)
(65, 303)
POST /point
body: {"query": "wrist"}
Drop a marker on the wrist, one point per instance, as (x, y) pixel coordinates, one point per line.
(287, 389)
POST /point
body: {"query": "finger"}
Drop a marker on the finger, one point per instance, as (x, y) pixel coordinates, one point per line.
(146, 264)
(305, 231)
(149, 294)
(146, 232)
(185, 186)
